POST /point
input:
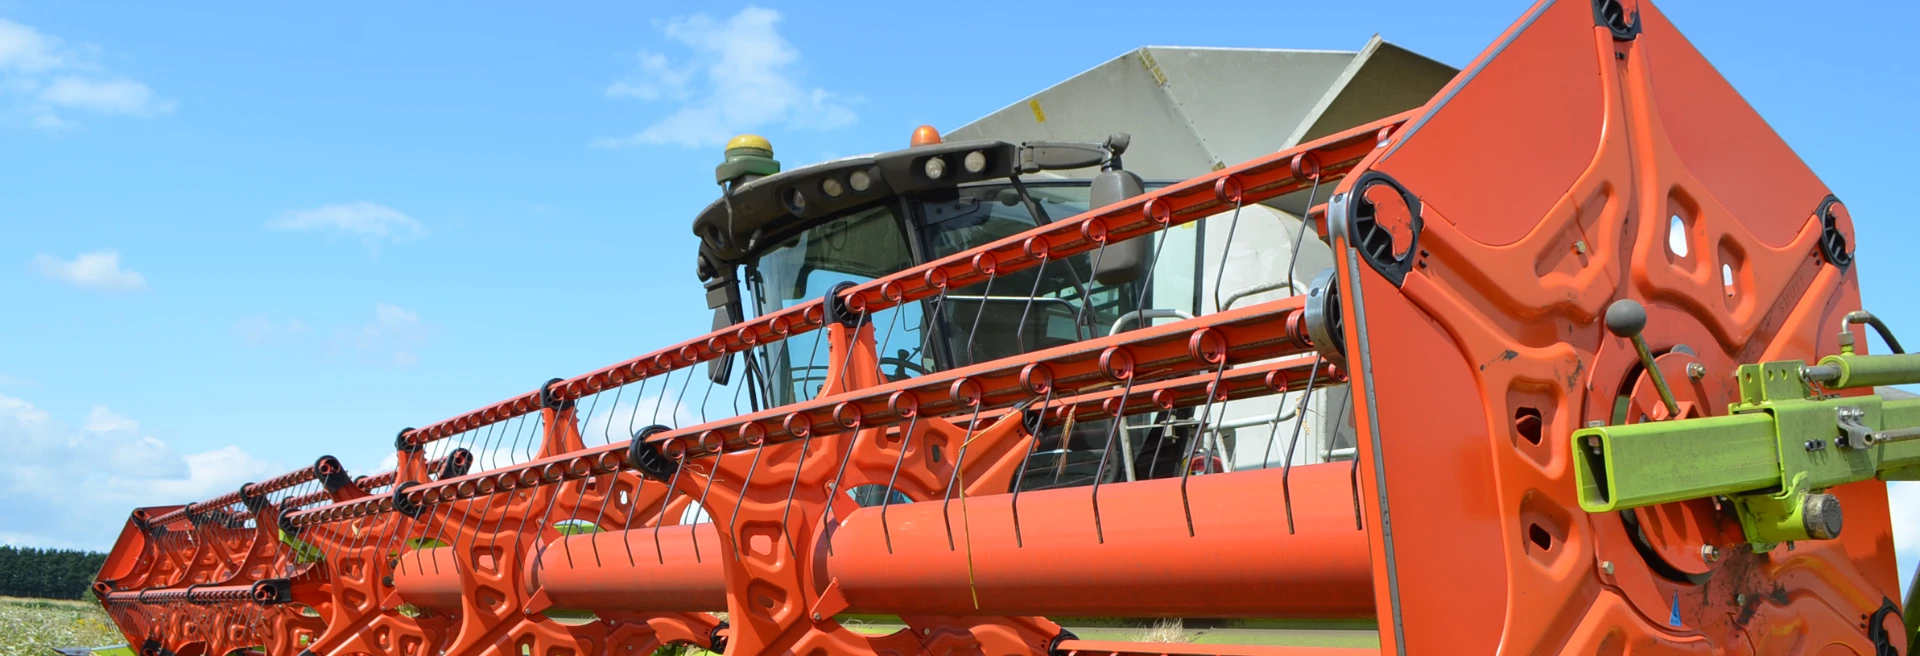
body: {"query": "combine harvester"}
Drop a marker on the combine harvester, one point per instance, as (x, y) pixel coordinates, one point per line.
(1555, 354)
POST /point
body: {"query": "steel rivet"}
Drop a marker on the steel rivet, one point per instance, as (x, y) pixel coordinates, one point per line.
(1607, 566)
(1709, 553)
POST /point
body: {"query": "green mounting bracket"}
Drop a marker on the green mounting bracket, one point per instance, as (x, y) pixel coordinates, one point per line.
(1774, 454)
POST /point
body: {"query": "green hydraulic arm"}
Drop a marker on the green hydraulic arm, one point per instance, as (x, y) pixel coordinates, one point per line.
(1788, 438)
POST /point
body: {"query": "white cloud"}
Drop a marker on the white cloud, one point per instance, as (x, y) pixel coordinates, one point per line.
(393, 334)
(104, 96)
(41, 76)
(73, 488)
(739, 76)
(258, 330)
(103, 420)
(24, 49)
(97, 270)
(656, 79)
(372, 222)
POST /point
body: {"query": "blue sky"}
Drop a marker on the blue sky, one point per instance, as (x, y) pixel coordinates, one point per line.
(239, 237)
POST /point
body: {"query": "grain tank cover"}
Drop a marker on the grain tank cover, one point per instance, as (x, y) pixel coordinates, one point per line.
(1193, 110)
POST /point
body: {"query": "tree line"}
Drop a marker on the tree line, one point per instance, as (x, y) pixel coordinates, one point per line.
(47, 573)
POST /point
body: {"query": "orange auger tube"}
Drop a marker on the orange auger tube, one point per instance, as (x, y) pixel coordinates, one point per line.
(1240, 561)
(673, 578)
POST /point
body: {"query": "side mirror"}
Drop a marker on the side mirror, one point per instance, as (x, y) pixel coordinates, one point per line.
(1126, 261)
(720, 370)
(723, 295)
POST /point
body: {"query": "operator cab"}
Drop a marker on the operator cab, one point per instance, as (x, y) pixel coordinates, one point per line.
(777, 239)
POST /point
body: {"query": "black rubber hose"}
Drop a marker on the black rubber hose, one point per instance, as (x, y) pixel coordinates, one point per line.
(1864, 317)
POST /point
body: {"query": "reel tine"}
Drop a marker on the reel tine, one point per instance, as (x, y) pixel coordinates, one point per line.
(1300, 415)
(1106, 452)
(1200, 431)
(886, 496)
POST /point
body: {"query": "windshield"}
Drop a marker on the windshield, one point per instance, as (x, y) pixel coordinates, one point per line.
(1051, 305)
(859, 247)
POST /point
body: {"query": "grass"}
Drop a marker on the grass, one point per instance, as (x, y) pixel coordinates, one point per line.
(1168, 630)
(36, 626)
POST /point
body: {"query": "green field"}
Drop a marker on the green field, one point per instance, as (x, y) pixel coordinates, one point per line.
(36, 626)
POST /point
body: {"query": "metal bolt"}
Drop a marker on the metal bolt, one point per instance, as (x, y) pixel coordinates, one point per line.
(1696, 370)
(1740, 600)
(816, 617)
(1816, 445)
(1607, 566)
(1709, 553)
(926, 632)
(1821, 516)
(1596, 423)
(1580, 246)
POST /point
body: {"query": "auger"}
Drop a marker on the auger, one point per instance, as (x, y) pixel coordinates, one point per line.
(1513, 359)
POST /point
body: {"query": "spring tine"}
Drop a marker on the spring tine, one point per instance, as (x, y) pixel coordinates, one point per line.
(678, 400)
(800, 465)
(672, 484)
(936, 315)
(881, 352)
(633, 501)
(846, 359)
(959, 463)
(1020, 328)
(480, 464)
(1106, 452)
(610, 478)
(833, 488)
(665, 383)
(554, 491)
(439, 528)
(533, 495)
(1273, 434)
(733, 520)
(1020, 476)
(1226, 251)
(978, 312)
(1286, 469)
(712, 475)
(705, 396)
(1294, 258)
(1166, 432)
(886, 496)
(573, 514)
(819, 337)
(493, 536)
(1080, 317)
(633, 508)
(1200, 430)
